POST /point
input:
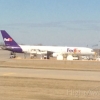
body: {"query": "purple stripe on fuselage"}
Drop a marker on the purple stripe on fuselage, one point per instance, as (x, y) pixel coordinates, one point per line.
(14, 49)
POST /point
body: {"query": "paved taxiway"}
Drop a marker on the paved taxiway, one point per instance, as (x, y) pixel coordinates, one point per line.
(54, 74)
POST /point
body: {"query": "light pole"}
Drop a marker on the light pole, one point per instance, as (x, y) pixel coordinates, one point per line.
(98, 49)
(95, 46)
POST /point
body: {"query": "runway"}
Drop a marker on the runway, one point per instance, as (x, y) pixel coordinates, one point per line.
(53, 74)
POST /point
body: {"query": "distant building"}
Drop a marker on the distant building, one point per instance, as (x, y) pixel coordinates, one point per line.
(97, 51)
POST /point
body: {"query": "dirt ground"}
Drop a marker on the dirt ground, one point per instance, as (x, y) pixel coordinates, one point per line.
(52, 64)
(14, 88)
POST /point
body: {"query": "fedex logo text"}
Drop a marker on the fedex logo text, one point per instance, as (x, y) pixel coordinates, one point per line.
(9, 39)
(73, 50)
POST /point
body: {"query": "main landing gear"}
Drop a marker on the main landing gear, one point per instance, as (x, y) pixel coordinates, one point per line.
(12, 55)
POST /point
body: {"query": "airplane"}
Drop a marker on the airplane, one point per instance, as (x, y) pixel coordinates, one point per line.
(55, 51)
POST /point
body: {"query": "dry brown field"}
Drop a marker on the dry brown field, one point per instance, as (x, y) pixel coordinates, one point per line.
(52, 64)
(16, 88)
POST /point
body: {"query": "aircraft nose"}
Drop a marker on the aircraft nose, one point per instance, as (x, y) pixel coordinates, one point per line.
(94, 53)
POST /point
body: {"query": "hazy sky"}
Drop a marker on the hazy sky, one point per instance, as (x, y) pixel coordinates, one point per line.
(52, 22)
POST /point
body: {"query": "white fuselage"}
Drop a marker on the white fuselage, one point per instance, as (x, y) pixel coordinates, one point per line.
(58, 49)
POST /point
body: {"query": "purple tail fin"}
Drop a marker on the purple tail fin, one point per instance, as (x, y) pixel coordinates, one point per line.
(8, 39)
